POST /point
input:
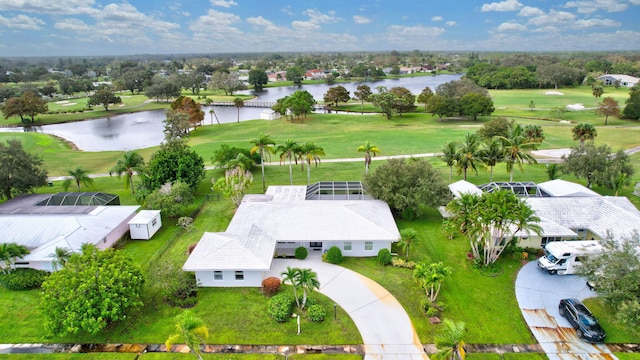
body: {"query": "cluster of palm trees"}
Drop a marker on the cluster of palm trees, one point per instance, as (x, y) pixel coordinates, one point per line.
(304, 279)
(473, 152)
(9, 252)
(290, 151)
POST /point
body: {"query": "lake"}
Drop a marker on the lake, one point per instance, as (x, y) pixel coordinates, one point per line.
(144, 129)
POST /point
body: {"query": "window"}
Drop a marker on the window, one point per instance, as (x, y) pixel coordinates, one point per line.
(347, 246)
(368, 245)
(239, 275)
(217, 275)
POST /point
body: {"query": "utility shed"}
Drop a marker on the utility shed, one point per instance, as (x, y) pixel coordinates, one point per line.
(145, 224)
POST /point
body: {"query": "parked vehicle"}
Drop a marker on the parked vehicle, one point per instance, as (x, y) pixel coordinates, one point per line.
(565, 257)
(586, 325)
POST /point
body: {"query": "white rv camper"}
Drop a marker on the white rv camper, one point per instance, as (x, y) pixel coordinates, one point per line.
(565, 257)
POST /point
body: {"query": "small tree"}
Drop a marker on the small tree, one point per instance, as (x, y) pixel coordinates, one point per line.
(130, 162)
(408, 236)
(79, 176)
(9, 252)
(20, 172)
(336, 94)
(60, 257)
(104, 97)
(235, 184)
(368, 151)
(425, 96)
(172, 199)
(449, 343)
(362, 93)
(430, 277)
(191, 330)
(238, 103)
(308, 281)
(608, 107)
(291, 276)
(583, 132)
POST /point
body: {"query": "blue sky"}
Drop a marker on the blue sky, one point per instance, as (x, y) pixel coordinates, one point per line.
(92, 28)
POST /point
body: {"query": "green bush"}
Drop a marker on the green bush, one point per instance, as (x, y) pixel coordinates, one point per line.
(23, 279)
(280, 307)
(334, 255)
(402, 263)
(384, 257)
(408, 214)
(301, 253)
(183, 293)
(316, 313)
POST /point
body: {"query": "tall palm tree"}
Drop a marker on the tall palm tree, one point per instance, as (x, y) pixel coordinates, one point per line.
(583, 132)
(262, 145)
(450, 156)
(60, 257)
(408, 236)
(449, 343)
(308, 281)
(9, 252)
(130, 162)
(368, 150)
(468, 154)
(212, 113)
(238, 103)
(191, 330)
(516, 149)
(288, 151)
(534, 133)
(431, 277)
(79, 176)
(291, 275)
(310, 152)
(491, 154)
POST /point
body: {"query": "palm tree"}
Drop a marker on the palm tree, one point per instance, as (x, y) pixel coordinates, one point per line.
(310, 152)
(515, 149)
(407, 237)
(491, 154)
(60, 257)
(261, 145)
(130, 162)
(583, 132)
(238, 103)
(242, 161)
(79, 176)
(431, 277)
(468, 154)
(191, 330)
(553, 171)
(9, 252)
(450, 156)
(288, 151)
(534, 133)
(212, 113)
(291, 275)
(368, 149)
(308, 281)
(449, 343)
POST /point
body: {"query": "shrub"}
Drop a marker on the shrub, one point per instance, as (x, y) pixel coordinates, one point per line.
(316, 313)
(280, 307)
(271, 286)
(23, 279)
(183, 293)
(301, 253)
(384, 257)
(334, 255)
(191, 247)
(408, 214)
(402, 263)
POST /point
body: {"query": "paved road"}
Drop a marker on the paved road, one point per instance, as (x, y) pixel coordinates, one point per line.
(538, 295)
(387, 331)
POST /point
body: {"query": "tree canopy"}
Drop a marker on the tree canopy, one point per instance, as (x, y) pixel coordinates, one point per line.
(598, 165)
(336, 94)
(95, 288)
(407, 184)
(258, 78)
(20, 172)
(104, 97)
(173, 161)
(27, 105)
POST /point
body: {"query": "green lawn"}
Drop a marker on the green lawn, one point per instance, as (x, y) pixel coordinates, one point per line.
(177, 356)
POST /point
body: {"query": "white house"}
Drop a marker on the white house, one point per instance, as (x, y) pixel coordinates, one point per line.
(145, 224)
(619, 79)
(570, 211)
(285, 218)
(42, 228)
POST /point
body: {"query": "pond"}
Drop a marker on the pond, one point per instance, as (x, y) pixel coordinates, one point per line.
(144, 129)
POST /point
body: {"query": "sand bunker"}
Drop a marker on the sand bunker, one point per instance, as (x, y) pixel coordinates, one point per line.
(575, 106)
(62, 102)
(553, 93)
(68, 104)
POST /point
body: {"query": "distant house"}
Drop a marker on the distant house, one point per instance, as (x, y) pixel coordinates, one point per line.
(269, 114)
(316, 217)
(315, 74)
(42, 222)
(619, 80)
(567, 211)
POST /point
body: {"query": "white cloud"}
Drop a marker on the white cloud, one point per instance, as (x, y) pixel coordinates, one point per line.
(592, 23)
(511, 26)
(304, 25)
(530, 11)
(450, 23)
(223, 3)
(507, 5)
(553, 18)
(590, 6)
(72, 24)
(436, 18)
(259, 21)
(408, 36)
(361, 19)
(315, 19)
(287, 10)
(215, 23)
(547, 29)
(123, 18)
(50, 7)
(22, 22)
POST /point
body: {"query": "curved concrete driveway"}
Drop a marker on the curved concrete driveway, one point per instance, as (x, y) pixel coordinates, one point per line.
(387, 331)
(538, 295)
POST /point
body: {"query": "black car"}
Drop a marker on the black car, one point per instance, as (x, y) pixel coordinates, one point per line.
(586, 325)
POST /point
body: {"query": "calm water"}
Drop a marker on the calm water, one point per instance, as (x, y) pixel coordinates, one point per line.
(144, 129)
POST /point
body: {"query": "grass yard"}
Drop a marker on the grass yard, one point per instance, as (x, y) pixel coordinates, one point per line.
(94, 356)
(616, 332)
(177, 356)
